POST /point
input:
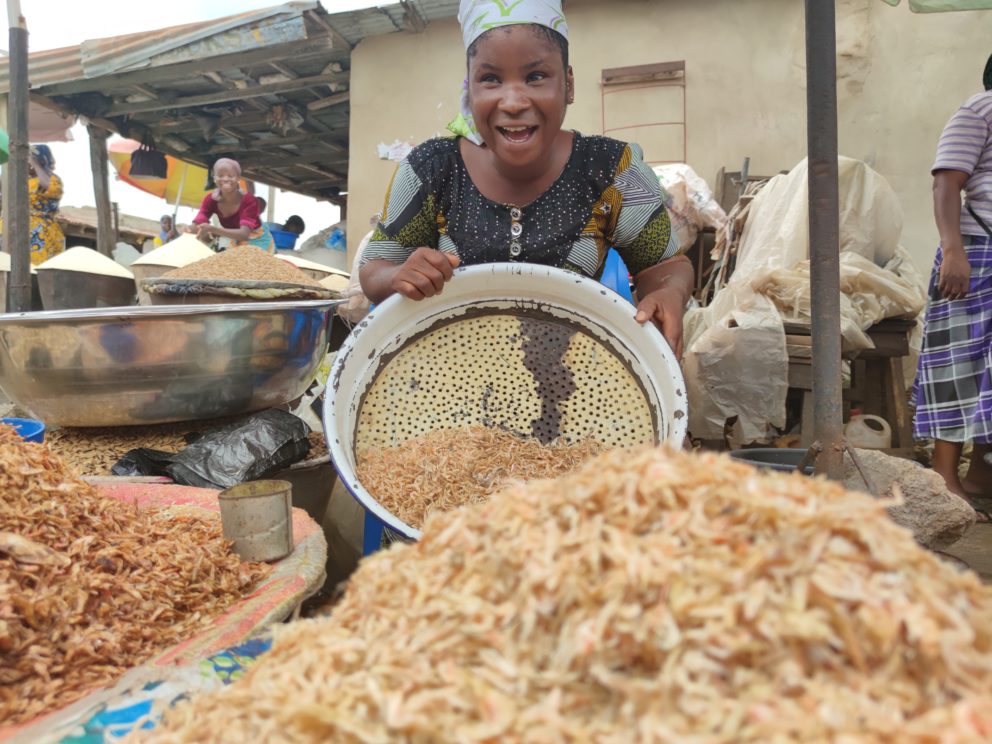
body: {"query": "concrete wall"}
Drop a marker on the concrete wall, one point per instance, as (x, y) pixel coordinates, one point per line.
(901, 75)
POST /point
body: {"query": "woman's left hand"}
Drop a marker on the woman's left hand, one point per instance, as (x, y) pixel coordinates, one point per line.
(664, 308)
(204, 231)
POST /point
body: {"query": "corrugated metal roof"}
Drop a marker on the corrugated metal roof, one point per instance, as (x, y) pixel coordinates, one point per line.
(356, 25)
(149, 49)
(44, 68)
(97, 57)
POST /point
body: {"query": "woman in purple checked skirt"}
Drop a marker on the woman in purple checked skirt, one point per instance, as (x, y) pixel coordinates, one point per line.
(953, 384)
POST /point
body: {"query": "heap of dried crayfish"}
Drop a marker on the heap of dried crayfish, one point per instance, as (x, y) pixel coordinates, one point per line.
(447, 468)
(647, 597)
(90, 586)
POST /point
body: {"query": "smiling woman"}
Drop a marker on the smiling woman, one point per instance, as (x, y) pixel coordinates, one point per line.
(512, 185)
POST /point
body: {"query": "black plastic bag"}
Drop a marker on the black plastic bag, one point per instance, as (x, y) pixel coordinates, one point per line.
(239, 452)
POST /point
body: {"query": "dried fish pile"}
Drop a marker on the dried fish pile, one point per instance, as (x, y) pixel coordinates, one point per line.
(243, 262)
(648, 597)
(90, 586)
(94, 451)
(447, 468)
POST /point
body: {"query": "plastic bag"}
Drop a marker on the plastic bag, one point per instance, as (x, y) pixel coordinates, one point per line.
(243, 451)
(691, 205)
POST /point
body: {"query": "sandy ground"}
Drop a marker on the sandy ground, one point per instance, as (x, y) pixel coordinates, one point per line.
(975, 549)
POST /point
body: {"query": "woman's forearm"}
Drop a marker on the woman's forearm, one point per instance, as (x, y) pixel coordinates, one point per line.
(239, 234)
(675, 274)
(376, 278)
(947, 187)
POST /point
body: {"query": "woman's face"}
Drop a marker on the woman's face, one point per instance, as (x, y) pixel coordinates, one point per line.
(517, 89)
(226, 179)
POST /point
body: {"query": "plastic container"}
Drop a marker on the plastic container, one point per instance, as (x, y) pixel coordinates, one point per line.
(868, 432)
(258, 517)
(30, 430)
(783, 460)
(284, 240)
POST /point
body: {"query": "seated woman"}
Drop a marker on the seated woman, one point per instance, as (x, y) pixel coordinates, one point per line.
(237, 211)
(515, 186)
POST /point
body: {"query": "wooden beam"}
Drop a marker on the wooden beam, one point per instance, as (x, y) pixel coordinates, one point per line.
(338, 39)
(69, 113)
(264, 145)
(291, 159)
(283, 69)
(101, 189)
(326, 172)
(184, 70)
(223, 96)
(660, 71)
(334, 100)
(146, 91)
(18, 228)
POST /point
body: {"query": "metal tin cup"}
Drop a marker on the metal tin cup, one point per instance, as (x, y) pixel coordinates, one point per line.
(258, 517)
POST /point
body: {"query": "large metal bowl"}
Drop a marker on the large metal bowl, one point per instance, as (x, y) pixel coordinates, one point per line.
(148, 365)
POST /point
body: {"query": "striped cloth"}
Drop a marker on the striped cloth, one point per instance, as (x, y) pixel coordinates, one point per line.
(966, 145)
(953, 385)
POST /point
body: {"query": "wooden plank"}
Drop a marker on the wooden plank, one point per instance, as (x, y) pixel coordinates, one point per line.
(283, 69)
(896, 405)
(101, 189)
(644, 73)
(226, 95)
(800, 375)
(887, 345)
(275, 143)
(799, 351)
(334, 100)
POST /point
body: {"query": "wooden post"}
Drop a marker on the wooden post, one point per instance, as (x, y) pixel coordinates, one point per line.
(117, 224)
(17, 228)
(101, 189)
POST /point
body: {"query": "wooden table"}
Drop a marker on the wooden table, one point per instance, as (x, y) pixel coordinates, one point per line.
(877, 384)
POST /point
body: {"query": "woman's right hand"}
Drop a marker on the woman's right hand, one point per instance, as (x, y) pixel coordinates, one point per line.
(955, 273)
(424, 273)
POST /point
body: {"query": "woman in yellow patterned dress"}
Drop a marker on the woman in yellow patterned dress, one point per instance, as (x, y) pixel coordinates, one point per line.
(45, 192)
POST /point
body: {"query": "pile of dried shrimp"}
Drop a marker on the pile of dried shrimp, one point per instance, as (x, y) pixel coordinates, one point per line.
(651, 596)
(447, 468)
(90, 586)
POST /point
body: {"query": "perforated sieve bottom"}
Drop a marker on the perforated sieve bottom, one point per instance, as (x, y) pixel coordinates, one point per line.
(515, 371)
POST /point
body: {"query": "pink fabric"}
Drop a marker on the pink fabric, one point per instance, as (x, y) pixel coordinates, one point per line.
(245, 216)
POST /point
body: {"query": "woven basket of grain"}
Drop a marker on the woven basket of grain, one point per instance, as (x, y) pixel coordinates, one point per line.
(238, 274)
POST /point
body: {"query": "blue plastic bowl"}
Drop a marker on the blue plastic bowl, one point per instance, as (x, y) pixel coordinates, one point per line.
(30, 430)
(284, 240)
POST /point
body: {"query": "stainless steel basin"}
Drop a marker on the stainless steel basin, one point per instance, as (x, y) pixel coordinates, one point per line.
(145, 365)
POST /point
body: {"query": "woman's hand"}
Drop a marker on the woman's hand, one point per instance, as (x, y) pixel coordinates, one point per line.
(664, 307)
(662, 291)
(423, 274)
(204, 232)
(955, 273)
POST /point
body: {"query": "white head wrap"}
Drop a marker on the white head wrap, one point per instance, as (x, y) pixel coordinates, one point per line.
(478, 16)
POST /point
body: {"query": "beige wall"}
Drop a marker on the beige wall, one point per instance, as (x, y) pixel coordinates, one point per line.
(900, 76)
